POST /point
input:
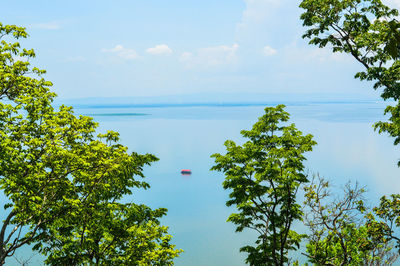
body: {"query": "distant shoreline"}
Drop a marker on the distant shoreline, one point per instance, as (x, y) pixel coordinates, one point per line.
(216, 104)
(118, 114)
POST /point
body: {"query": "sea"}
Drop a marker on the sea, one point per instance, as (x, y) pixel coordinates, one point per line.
(184, 137)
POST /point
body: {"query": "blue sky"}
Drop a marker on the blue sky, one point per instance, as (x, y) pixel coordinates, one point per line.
(138, 48)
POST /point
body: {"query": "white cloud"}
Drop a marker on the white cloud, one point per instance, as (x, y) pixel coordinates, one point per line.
(392, 3)
(258, 10)
(159, 50)
(211, 56)
(260, 22)
(268, 51)
(122, 52)
(53, 25)
(186, 56)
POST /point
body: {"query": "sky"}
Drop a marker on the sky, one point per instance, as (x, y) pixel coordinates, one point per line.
(126, 48)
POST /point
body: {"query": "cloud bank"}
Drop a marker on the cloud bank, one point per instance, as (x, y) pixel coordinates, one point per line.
(122, 52)
(160, 49)
(268, 51)
(211, 56)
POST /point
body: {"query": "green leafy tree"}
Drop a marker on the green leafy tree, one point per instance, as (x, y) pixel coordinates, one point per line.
(340, 233)
(388, 214)
(62, 181)
(264, 175)
(369, 32)
(111, 234)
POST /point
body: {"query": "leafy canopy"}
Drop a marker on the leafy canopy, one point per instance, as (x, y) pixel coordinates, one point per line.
(368, 31)
(264, 175)
(342, 231)
(63, 182)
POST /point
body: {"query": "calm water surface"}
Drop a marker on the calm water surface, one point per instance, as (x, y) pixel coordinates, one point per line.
(185, 137)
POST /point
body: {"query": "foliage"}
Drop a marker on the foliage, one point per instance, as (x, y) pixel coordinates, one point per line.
(61, 180)
(340, 232)
(264, 175)
(368, 31)
(111, 234)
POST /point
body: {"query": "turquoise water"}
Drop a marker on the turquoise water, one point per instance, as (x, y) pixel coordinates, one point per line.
(185, 137)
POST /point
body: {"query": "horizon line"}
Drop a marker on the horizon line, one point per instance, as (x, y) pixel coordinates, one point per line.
(220, 104)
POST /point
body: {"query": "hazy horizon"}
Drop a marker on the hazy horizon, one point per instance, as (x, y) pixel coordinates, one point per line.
(154, 48)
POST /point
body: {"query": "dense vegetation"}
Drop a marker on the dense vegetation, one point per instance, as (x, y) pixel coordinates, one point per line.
(265, 173)
(265, 176)
(63, 183)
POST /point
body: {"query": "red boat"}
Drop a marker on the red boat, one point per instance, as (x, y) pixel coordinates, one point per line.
(186, 172)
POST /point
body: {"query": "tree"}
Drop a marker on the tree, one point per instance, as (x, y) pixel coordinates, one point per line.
(60, 178)
(341, 229)
(111, 234)
(264, 175)
(369, 31)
